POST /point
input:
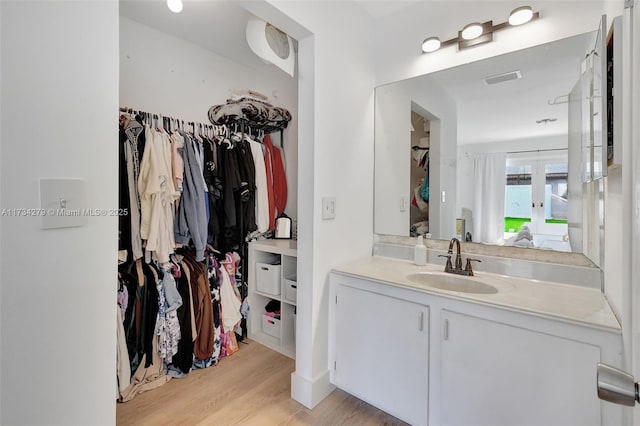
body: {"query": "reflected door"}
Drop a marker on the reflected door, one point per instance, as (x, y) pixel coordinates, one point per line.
(536, 196)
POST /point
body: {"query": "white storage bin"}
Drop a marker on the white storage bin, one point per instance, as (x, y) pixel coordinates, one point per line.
(290, 289)
(268, 278)
(271, 326)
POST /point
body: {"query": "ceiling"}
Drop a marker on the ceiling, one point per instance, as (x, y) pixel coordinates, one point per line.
(218, 26)
(498, 112)
(382, 8)
(485, 113)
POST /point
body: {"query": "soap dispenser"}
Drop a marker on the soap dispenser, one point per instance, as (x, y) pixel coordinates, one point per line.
(420, 253)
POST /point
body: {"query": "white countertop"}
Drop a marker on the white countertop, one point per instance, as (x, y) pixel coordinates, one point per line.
(559, 301)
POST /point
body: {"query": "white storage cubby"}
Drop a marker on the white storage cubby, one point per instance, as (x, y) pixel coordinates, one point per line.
(290, 289)
(268, 278)
(272, 276)
(271, 325)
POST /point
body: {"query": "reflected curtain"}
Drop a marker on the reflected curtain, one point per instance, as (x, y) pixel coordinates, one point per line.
(489, 178)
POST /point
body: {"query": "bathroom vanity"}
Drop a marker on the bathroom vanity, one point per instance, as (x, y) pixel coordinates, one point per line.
(435, 348)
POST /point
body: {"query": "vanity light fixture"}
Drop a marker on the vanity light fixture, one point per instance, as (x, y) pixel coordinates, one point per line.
(471, 31)
(478, 33)
(175, 5)
(431, 44)
(520, 15)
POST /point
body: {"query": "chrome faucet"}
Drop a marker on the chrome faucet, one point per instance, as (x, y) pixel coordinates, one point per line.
(457, 269)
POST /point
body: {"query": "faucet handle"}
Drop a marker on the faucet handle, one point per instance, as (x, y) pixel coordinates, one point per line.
(448, 265)
(468, 267)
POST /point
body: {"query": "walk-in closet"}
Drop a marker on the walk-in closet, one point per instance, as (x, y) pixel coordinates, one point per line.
(208, 151)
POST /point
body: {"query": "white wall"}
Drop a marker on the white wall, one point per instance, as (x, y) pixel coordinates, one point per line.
(59, 109)
(161, 73)
(399, 37)
(393, 147)
(343, 154)
(336, 159)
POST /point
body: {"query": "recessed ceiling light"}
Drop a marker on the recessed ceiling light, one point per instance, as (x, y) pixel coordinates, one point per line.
(175, 5)
(520, 15)
(431, 44)
(471, 31)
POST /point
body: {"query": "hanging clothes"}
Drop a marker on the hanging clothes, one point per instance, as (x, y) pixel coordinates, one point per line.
(133, 144)
(247, 189)
(191, 221)
(268, 163)
(179, 305)
(213, 180)
(229, 301)
(167, 326)
(279, 177)
(203, 345)
(157, 195)
(183, 358)
(146, 378)
(261, 195)
(123, 367)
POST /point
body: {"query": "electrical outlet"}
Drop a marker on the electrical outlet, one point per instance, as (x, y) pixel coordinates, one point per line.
(328, 208)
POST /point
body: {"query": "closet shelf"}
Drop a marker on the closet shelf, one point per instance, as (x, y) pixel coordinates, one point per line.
(274, 252)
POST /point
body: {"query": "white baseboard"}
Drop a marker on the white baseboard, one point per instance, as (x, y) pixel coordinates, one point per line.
(310, 393)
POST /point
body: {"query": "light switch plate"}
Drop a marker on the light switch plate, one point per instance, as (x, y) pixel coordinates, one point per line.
(404, 203)
(62, 201)
(328, 208)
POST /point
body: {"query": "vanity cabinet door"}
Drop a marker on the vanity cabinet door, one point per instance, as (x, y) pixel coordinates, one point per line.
(381, 353)
(497, 374)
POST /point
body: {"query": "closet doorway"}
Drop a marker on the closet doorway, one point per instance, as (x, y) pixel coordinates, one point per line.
(419, 164)
(180, 65)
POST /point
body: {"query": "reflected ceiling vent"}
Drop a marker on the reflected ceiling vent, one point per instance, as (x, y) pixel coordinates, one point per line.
(501, 78)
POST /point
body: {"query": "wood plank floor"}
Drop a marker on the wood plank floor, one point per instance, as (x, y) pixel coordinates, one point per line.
(251, 387)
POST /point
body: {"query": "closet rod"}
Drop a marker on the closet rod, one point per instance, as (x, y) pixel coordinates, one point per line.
(156, 115)
(240, 123)
(537, 150)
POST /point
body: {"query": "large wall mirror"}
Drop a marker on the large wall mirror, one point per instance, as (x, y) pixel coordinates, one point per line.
(493, 151)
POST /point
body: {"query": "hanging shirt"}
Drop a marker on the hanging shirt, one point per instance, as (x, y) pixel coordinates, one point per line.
(268, 163)
(191, 217)
(157, 195)
(229, 302)
(262, 198)
(177, 164)
(134, 146)
(279, 182)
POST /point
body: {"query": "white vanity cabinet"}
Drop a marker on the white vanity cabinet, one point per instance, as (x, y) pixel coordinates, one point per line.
(383, 355)
(439, 358)
(497, 374)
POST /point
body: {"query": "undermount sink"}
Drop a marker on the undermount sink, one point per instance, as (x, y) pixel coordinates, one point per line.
(452, 282)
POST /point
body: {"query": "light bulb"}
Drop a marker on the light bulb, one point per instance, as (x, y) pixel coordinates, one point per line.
(471, 31)
(520, 15)
(431, 44)
(175, 5)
